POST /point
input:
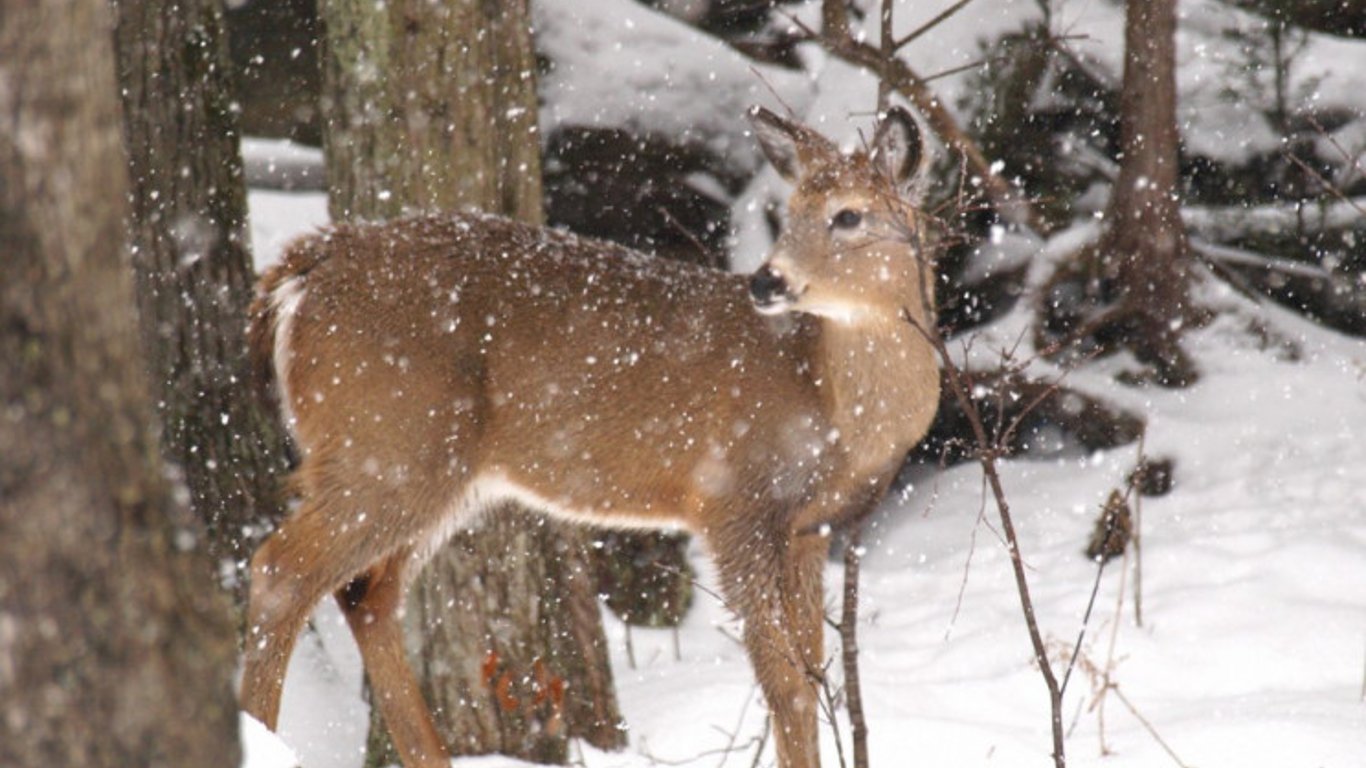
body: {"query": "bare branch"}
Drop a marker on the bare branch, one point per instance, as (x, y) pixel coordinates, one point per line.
(967, 562)
(1129, 705)
(1328, 185)
(1354, 161)
(1081, 633)
(1240, 257)
(853, 690)
(1138, 479)
(927, 26)
(835, 39)
(959, 381)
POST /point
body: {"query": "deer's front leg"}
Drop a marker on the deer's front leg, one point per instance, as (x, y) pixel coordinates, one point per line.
(775, 585)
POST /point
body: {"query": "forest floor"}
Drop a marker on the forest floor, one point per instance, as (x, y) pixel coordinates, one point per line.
(1252, 650)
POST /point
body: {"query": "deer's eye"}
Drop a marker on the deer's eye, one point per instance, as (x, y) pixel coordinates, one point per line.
(846, 218)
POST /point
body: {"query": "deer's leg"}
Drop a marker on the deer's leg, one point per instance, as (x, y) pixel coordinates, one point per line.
(801, 594)
(776, 588)
(312, 553)
(372, 603)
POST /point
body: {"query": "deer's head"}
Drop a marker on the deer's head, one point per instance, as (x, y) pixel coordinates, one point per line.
(852, 247)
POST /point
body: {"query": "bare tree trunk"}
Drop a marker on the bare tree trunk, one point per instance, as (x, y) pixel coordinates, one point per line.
(430, 107)
(193, 266)
(433, 107)
(115, 649)
(1145, 242)
(1133, 283)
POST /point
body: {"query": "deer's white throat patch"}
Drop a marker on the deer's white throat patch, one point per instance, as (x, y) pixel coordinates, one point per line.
(847, 313)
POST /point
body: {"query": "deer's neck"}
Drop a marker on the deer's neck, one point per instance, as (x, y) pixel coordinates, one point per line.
(881, 385)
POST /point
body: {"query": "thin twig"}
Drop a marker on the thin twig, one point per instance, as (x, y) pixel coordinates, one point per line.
(927, 26)
(827, 702)
(1129, 705)
(884, 89)
(987, 455)
(1225, 254)
(630, 647)
(792, 113)
(1353, 160)
(967, 562)
(1085, 621)
(1106, 676)
(752, 741)
(853, 690)
(712, 257)
(834, 37)
(763, 739)
(739, 722)
(1137, 536)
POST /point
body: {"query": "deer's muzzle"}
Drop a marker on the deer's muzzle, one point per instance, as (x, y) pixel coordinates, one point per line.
(769, 290)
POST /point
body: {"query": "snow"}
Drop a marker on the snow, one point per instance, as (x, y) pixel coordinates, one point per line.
(263, 749)
(282, 164)
(620, 64)
(276, 218)
(1328, 73)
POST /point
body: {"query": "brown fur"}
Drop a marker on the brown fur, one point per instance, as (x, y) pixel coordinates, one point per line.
(433, 357)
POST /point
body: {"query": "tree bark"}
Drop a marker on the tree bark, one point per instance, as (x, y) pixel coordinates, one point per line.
(1135, 279)
(432, 107)
(115, 650)
(1145, 245)
(193, 267)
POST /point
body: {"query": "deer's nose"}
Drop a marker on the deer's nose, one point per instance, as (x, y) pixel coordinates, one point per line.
(767, 288)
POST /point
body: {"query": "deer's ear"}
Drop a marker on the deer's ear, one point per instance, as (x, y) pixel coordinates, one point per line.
(898, 147)
(789, 146)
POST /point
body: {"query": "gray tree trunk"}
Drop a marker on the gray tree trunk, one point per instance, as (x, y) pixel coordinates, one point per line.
(193, 267)
(115, 649)
(1144, 248)
(1130, 289)
(433, 107)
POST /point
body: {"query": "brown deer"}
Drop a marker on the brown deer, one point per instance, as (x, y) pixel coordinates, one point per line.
(431, 367)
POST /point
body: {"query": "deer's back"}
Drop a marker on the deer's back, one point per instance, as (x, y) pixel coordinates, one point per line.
(586, 374)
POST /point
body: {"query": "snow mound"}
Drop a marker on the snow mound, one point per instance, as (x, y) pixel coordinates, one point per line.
(618, 64)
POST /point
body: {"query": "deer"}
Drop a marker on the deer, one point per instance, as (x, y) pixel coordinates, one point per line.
(432, 367)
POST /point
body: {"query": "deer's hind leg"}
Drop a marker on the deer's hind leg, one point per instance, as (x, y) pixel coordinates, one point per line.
(339, 532)
(373, 604)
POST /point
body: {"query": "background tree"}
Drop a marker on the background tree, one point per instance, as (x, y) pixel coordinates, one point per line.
(433, 107)
(115, 650)
(193, 265)
(1130, 289)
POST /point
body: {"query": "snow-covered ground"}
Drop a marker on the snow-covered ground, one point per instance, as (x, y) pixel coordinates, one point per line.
(1253, 648)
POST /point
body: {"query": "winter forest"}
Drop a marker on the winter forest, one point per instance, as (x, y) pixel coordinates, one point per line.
(636, 383)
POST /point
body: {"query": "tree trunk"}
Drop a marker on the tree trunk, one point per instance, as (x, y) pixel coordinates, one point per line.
(433, 107)
(193, 267)
(430, 107)
(1145, 241)
(115, 649)
(1136, 278)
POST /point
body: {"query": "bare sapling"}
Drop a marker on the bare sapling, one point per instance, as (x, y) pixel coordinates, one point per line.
(987, 448)
(434, 366)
